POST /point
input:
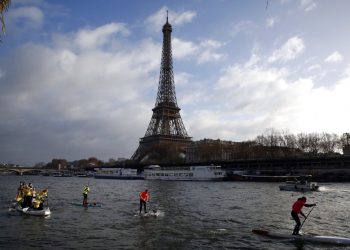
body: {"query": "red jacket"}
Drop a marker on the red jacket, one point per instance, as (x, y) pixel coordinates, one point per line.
(144, 196)
(297, 206)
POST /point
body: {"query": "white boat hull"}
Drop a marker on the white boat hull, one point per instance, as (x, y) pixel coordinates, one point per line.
(118, 177)
(45, 212)
(187, 173)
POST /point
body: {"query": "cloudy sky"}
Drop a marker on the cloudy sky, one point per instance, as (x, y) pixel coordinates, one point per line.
(80, 78)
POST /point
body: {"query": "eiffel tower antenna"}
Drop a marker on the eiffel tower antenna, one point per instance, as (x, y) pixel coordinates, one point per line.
(166, 130)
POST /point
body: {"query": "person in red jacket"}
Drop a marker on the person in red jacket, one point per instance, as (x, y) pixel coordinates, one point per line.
(296, 209)
(143, 199)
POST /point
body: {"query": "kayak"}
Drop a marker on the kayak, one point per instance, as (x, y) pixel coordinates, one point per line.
(90, 204)
(309, 238)
(30, 211)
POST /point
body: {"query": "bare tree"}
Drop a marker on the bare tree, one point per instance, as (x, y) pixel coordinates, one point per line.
(329, 143)
(345, 139)
(302, 142)
(290, 141)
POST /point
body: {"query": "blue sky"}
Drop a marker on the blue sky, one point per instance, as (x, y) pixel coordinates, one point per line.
(80, 78)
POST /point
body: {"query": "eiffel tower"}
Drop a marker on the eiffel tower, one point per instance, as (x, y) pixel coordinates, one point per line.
(166, 137)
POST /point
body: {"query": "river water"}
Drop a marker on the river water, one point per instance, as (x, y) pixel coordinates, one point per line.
(194, 215)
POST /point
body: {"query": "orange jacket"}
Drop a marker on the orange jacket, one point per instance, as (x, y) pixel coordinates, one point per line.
(144, 196)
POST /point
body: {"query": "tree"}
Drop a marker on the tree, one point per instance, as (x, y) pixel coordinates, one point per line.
(4, 6)
(345, 139)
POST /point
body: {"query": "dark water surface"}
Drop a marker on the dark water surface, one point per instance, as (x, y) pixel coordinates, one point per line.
(194, 215)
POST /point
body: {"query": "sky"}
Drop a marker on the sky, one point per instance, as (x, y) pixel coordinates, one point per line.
(79, 79)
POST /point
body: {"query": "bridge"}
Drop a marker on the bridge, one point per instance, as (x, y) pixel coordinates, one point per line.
(21, 170)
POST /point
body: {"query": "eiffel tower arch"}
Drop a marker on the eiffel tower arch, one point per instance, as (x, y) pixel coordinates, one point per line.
(166, 138)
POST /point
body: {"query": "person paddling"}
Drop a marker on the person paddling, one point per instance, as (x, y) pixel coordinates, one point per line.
(296, 209)
(86, 190)
(143, 199)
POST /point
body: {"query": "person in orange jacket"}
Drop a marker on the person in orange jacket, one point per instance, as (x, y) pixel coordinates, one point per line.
(143, 199)
(296, 209)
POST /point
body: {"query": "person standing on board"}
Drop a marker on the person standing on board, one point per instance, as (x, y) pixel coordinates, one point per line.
(296, 209)
(143, 199)
(85, 194)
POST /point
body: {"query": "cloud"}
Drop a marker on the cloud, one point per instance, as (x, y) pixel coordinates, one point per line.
(202, 52)
(246, 27)
(314, 67)
(271, 22)
(91, 38)
(208, 53)
(183, 48)
(290, 50)
(158, 19)
(307, 5)
(334, 57)
(25, 18)
(73, 103)
(250, 97)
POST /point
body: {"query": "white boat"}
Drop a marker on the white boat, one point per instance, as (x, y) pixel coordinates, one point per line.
(300, 186)
(44, 212)
(184, 173)
(62, 174)
(308, 238)
(119, 173)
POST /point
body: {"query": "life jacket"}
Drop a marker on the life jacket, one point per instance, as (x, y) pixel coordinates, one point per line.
(144, 196)
(25, 191)
(86, 190)
(22, 194)
(297, 206)
(19, 194)
(42, 195)
(40, 198)
(30, 191)
(36, 203)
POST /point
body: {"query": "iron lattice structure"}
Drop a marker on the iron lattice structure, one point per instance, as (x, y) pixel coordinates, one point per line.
(166, 126)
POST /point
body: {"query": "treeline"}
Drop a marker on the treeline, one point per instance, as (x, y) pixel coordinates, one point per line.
(312, 143)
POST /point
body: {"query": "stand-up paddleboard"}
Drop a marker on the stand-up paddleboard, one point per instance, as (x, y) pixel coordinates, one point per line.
(309, 238)
(90, 204)
(153, 213)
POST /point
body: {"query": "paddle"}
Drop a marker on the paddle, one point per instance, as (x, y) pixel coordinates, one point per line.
(154, 210)
(47, 200)
(306, 217)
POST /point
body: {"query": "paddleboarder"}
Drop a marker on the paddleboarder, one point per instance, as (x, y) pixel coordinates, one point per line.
(143, 199)
(86, 190)
(296, 209)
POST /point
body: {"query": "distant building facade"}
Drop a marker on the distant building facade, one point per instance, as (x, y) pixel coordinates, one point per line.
(207, 150)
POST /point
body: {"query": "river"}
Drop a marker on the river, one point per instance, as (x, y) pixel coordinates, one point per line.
(194, 215)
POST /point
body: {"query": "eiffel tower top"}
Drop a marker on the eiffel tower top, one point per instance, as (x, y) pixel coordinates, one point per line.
(166, 88)
(167, 25)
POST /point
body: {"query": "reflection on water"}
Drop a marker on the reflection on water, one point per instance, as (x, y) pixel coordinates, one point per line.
(194, 215)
